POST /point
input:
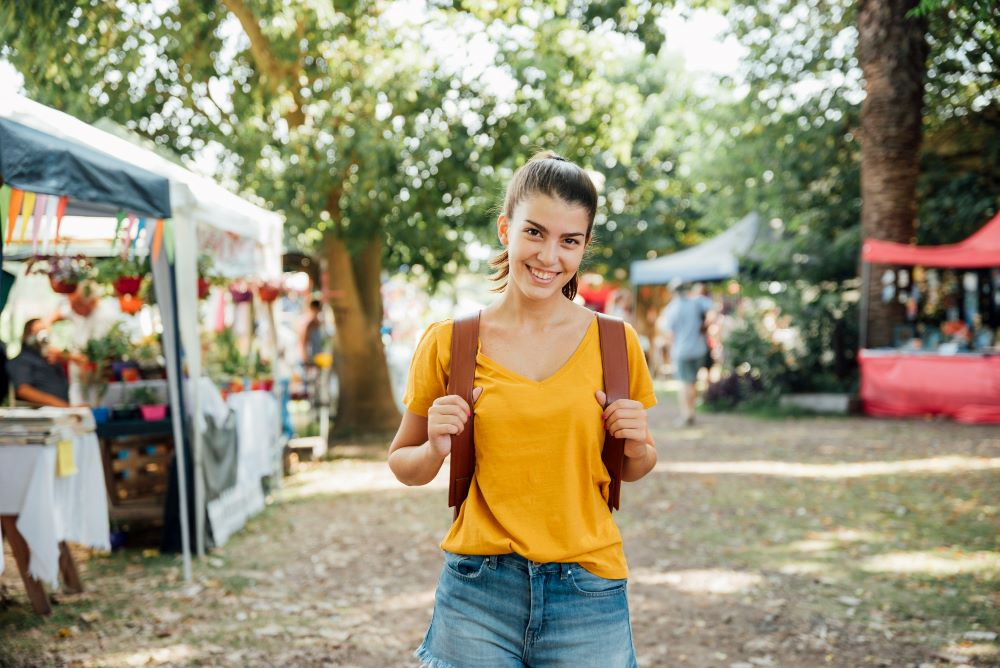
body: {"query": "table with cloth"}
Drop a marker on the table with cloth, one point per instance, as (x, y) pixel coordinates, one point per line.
(965, 387)
(42, 510)
(258, 439)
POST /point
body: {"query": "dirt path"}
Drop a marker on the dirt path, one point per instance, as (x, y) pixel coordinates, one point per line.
(799, 543)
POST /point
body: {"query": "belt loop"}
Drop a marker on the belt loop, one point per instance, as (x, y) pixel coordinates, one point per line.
(565, 570)
(492, 561)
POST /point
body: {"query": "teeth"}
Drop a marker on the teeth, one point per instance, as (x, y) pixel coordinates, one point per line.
(542, 275)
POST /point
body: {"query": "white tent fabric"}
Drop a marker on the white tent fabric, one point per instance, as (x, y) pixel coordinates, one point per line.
(710, 260)
(195, 201)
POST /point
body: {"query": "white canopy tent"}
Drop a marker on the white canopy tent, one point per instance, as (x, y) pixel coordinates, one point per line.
(711, 260)
(196, 203)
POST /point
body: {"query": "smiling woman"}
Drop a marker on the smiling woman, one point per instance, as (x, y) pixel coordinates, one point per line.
(534, 538)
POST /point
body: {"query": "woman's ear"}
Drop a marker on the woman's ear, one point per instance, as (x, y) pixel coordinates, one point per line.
(502, 228)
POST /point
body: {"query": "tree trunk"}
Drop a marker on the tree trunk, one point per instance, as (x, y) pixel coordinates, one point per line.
(892, 50)
(365, 403)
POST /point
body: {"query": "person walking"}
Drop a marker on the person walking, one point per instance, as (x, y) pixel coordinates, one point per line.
(534, 570)
(686, 319)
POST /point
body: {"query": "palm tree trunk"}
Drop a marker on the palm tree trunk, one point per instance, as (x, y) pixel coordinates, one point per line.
(892, 50)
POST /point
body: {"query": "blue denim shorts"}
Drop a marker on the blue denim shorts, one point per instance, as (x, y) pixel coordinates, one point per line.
(504, 611)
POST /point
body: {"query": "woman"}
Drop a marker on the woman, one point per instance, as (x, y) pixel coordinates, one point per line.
(534, 572)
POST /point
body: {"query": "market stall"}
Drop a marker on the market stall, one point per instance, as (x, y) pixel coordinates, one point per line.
(945, 356)
(198, 214)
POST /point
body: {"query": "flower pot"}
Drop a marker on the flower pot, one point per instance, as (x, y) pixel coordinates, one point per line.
(154, 412)
(125, 413)
(257, 385)
(118, 369)
(101, 414)
(202, 288)
(130, 375)
(130, 304)
(268, 293)
(268, 384)
(62, 287)
(127, 285)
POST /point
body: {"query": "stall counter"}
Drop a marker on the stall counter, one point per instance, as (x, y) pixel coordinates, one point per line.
(965, 386)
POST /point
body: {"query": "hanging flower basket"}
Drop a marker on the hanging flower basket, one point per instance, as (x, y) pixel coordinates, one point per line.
(127, 285)
(268, 292)
(130, 304)
(62, 287)
(240, 293)
(203, 286)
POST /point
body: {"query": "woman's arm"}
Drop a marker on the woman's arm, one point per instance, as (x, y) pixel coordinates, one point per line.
(411, 458)
(642, 462)
(422, 443)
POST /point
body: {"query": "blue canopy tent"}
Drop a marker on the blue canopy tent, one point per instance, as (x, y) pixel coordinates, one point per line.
(712, 260)
(37, 156)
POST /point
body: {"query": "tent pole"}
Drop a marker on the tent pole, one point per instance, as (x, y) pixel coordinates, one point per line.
(172, 351)
(866, 269)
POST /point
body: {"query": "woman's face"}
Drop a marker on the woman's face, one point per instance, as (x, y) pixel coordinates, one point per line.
(545, 241)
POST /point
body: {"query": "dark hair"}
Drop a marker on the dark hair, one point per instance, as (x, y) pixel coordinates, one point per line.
(27, 333)
(316, 305)
(546, 173)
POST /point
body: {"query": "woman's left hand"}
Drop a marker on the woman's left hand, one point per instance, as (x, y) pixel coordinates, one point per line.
(626, 419)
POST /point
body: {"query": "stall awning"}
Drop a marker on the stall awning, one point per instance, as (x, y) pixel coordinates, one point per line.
(710, 260)
(39, 162)
(982, 249)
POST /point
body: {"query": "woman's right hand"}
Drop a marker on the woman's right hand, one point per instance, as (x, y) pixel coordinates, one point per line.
(447, 417)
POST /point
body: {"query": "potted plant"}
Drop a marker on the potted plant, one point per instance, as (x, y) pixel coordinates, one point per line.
(104, 353)
(150, 405)
(65, 272)
(149, 356)
(123, 274)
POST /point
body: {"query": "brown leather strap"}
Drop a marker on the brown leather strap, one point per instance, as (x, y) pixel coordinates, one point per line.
(614, 361)
(464, 346)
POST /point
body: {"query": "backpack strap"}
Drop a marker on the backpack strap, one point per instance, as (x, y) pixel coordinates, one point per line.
(464, 346)
(614, 362)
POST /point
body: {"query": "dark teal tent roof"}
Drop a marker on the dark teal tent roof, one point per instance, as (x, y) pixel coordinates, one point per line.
(37, 162)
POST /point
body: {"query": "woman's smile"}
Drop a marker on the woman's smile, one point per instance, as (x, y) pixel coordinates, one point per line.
(541, 276)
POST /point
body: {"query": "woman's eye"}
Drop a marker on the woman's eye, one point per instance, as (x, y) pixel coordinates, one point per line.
(573, 242)
(532, 232)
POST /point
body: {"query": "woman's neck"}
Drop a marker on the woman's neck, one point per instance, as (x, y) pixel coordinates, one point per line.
(514, 308)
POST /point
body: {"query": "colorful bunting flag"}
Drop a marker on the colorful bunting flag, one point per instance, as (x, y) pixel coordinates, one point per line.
(36, 224)
(16, 198)
(26, 211)
(4, 205)
(63, 203)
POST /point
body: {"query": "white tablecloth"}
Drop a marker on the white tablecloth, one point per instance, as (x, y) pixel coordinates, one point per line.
(258, 437)
(50, 508)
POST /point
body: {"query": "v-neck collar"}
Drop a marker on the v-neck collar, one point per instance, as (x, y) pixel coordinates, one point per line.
(591, 328)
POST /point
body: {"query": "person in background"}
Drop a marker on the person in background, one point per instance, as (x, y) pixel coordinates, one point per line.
(312, 333)
(88, 317)
(37, 374)
(685, 320)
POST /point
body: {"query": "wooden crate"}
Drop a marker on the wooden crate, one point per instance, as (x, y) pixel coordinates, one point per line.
(138, 469)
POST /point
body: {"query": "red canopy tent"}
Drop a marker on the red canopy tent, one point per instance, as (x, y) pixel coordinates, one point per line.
(965, 387)
(982, 249)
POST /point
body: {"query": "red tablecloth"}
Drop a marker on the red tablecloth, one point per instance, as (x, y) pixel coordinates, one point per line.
(963, 387)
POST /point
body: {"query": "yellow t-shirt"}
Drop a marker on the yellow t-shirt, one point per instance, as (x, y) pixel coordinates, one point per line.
(540, 488)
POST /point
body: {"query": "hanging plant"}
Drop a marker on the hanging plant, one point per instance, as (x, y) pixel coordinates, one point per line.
(130, 303)
(124, 275)
(65, 272)
(206, 275)
(240, 292)
(268, 292)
